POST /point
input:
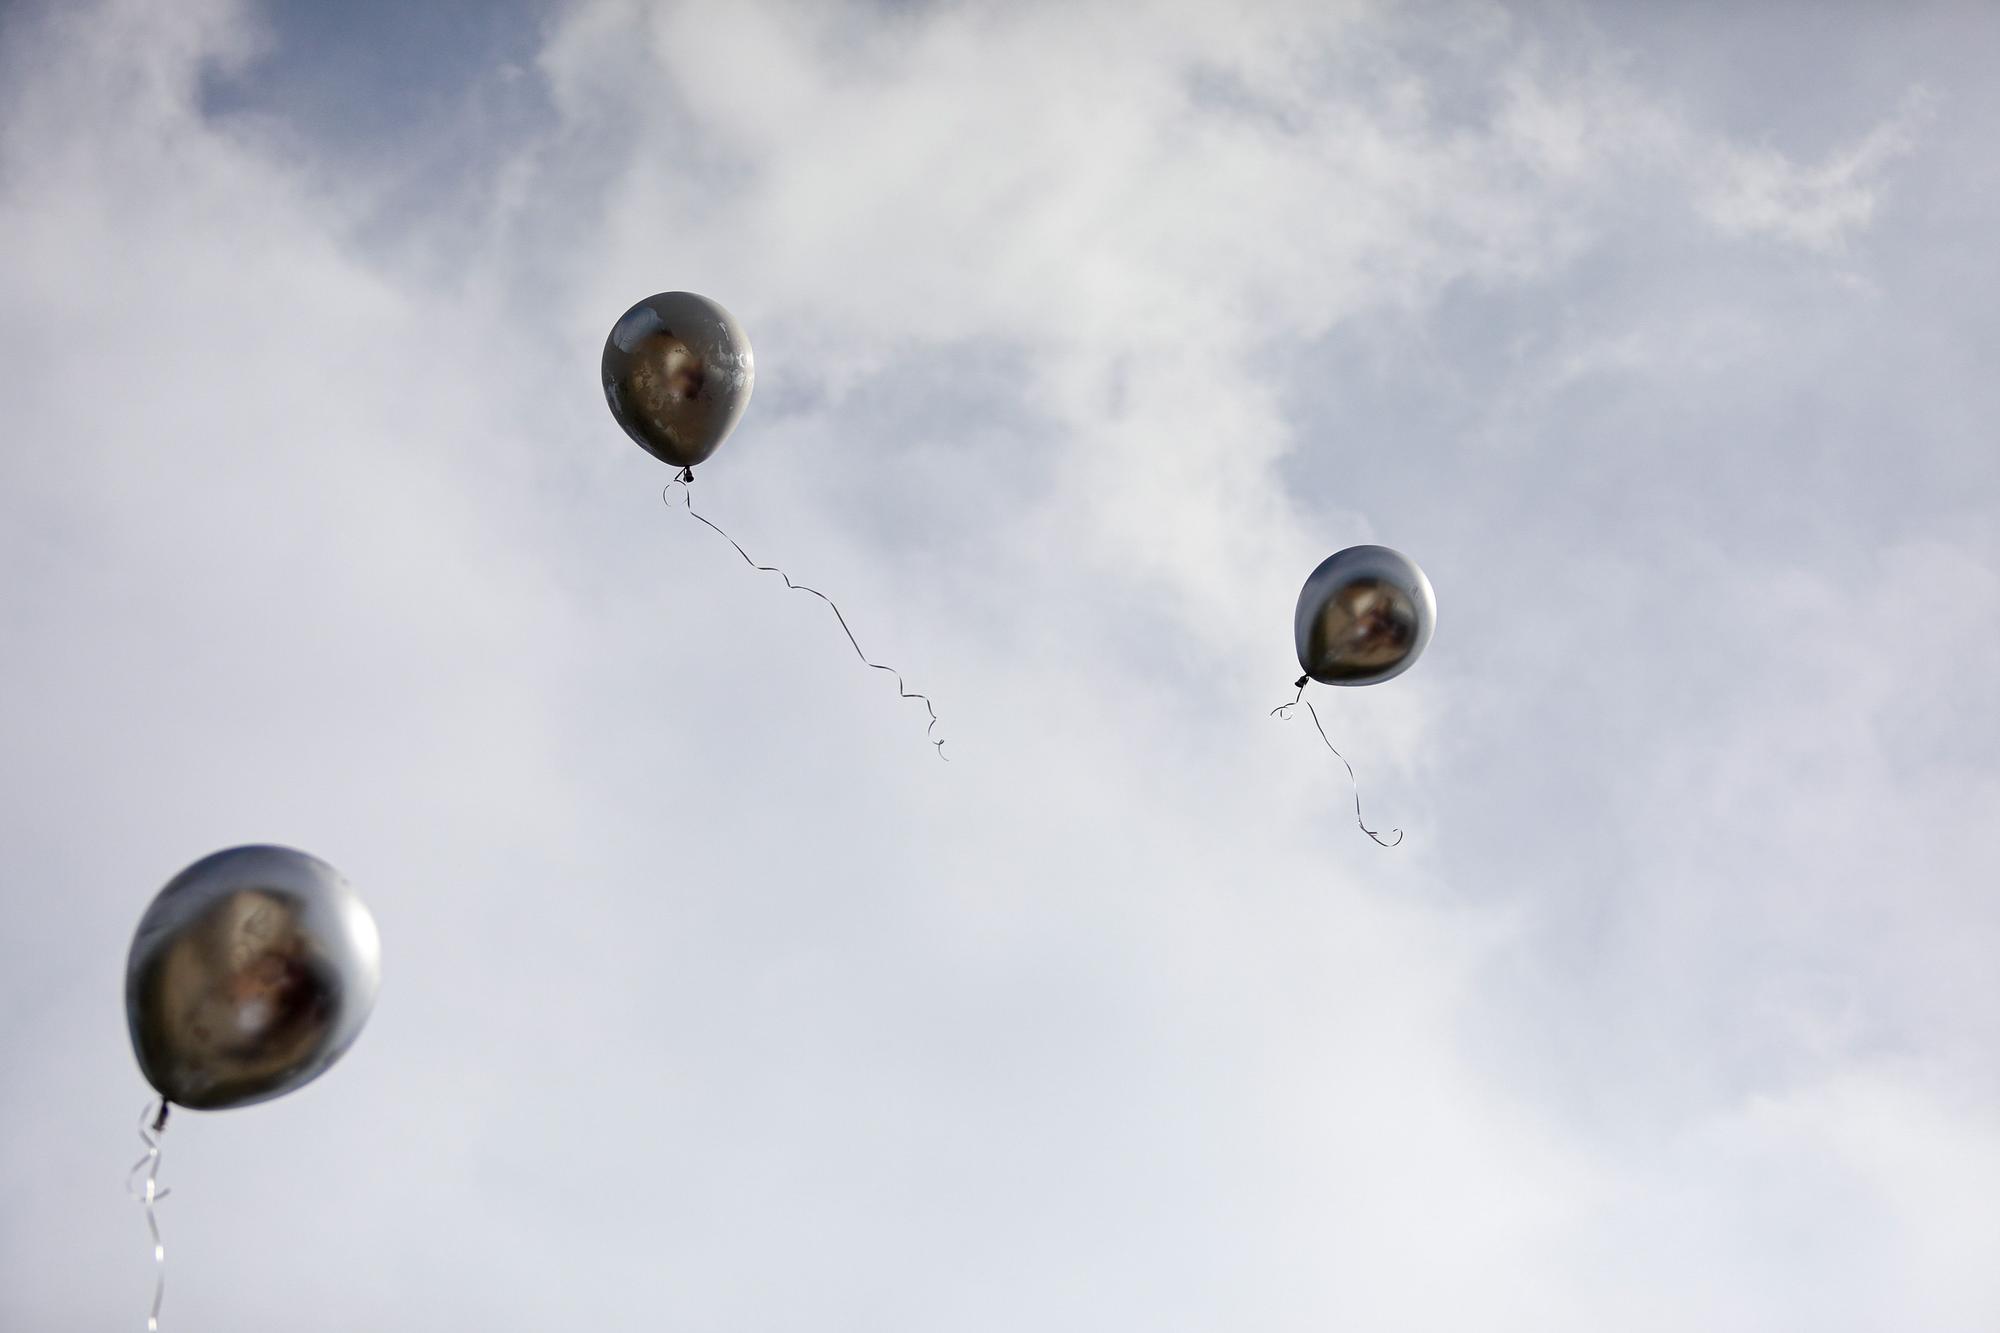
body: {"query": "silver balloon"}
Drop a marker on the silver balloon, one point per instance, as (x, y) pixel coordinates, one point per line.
(677, 375)
(1364, 616)
(251, 973)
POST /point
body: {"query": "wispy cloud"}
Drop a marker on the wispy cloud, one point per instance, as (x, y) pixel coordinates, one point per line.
(1819, 206)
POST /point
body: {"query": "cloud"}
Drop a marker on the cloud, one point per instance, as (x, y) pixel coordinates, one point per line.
(1819, 207)
(1082, 335)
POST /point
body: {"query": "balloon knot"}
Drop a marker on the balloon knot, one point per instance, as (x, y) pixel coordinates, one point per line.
(160, 1120)
(1300, 683)
(686, 477)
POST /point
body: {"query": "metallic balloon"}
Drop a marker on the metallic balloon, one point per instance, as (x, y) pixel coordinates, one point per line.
(1364, 615)
(677, 374)
(250, 974)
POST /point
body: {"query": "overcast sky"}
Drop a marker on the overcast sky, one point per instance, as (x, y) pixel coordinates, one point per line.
(1661, 336)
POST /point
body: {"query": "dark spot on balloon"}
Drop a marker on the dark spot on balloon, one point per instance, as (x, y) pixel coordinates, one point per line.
(1366, 626)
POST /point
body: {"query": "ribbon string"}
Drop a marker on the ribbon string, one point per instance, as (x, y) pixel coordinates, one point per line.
(1284, 713)
(142, 1182)
(686, 482)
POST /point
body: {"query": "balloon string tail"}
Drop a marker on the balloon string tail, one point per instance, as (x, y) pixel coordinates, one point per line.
(1284, 711)
(142, 1182)
(685, 480)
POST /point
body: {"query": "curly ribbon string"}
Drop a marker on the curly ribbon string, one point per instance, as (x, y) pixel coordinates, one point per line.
(1284, 712)
(686, 482)
(152, 1124)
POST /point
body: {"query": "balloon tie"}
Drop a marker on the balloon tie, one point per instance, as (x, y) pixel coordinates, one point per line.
(1284, 713)
(152, 1124)
(685, 480)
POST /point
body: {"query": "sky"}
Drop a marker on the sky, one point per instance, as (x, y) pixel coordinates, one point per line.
(1660, 336)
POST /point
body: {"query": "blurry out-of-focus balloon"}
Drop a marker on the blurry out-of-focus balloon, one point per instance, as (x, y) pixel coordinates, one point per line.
(1364, 616)
(677, 375)
(251, 973)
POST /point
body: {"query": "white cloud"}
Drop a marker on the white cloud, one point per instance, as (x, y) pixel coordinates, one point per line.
(1820, 206)
(1081, 334)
